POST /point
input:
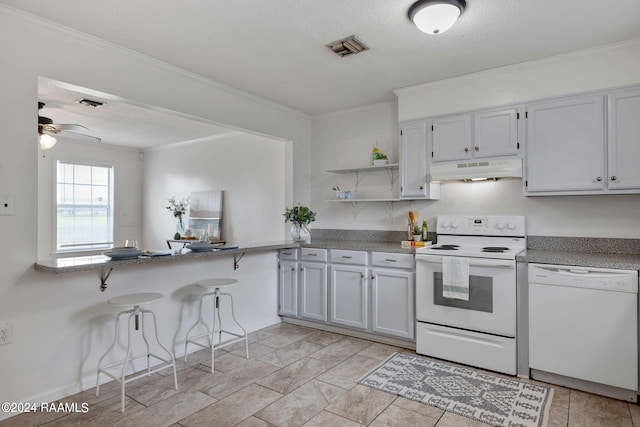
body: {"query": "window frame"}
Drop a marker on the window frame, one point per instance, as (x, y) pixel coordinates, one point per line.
(112, 208)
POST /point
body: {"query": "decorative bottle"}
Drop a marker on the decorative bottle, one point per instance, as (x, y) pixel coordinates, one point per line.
(425, 230)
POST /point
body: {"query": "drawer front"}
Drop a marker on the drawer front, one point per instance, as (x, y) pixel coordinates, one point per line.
(340, 256)
(393, 260)
(313, 254)
(289, 254)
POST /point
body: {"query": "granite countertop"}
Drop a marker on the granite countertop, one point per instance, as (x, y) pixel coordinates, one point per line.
(542, 256)
(100, 262)
(581, 259)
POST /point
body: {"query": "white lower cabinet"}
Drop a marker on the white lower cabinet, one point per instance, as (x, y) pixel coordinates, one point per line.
(313, 291)
(288, 288)
(349, 296)
(392, 302)
(369, 292)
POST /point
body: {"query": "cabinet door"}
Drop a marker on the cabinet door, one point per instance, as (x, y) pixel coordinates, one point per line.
(349, 296)
(566, 145)
(413, 161)
(313, 290)
(288, 289)
(495, 133)
(452, 138)
(624, 140)
(392, 300)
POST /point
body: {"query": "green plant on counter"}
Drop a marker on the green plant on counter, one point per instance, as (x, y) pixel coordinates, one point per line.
(300, 215)
(379, 156)
(417, 230)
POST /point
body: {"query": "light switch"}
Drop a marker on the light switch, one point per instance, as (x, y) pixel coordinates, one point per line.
(7, 205)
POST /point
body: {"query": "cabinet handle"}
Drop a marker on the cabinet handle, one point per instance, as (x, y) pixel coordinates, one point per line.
(421, 187)
(390, 260)
(293, 269)
(362, 275)
(312, 254)
(613, 178)
(301, 268)
(599, 179)
(346, 257)
(466, 149)
(373, 277)
(286, 253)
(476, 148)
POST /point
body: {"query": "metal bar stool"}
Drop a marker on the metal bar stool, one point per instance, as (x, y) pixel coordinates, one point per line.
(137, 314)
(216, 285)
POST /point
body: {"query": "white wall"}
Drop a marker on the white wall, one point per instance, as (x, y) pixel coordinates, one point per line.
(591, 69)
(343, 140)
(55, 338)
(250, 171)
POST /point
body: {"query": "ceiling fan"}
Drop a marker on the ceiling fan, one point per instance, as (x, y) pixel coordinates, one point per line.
(47, 128)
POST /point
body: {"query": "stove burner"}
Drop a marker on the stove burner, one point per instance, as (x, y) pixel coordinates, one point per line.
(446, 247)
(498, 249)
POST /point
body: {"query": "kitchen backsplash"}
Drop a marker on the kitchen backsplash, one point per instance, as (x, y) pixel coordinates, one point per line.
(384, 236)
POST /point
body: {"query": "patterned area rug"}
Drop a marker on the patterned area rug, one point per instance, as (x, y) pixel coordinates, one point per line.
(464, 391)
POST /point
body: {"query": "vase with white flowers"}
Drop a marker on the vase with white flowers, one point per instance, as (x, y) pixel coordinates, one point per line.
(300, 217)
(178, 209)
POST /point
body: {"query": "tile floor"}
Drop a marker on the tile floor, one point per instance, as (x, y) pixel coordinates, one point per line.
(295, 376)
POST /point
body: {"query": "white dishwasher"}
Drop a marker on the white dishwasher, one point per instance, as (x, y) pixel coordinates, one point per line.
(583, 328)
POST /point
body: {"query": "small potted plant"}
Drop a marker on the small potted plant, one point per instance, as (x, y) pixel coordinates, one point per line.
(380, 159)
(417, 233)
(300, 218)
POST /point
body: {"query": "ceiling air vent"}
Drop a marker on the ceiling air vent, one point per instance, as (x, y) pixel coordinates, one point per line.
(90, 102)
(347, 46)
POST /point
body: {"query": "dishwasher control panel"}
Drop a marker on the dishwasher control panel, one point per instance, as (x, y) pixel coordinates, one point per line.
(584, 277)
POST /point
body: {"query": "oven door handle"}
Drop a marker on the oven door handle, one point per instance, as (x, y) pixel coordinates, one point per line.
(473, 262)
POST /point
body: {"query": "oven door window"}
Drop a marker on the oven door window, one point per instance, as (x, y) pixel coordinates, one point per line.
(480, 294)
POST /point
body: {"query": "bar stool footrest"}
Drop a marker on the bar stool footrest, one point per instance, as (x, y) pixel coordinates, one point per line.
(169, 364)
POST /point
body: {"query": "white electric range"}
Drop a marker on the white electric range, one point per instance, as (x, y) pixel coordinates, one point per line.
(477, 326)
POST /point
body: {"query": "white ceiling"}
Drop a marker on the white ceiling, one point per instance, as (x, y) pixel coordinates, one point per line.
(118, 122)
(276, 48)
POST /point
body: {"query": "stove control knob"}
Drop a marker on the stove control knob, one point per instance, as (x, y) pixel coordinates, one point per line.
(499, 226)
(446, 224)
(511, 226)
(454, 225)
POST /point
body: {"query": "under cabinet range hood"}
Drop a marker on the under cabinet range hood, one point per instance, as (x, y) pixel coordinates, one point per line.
(477, 171)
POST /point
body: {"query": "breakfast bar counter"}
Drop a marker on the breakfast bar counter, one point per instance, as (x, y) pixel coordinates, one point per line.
(102, 262)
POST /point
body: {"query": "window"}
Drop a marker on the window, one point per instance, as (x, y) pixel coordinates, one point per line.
(84, 207)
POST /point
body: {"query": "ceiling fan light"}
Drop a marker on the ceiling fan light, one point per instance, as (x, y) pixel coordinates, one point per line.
(436, 16)
(47, 141)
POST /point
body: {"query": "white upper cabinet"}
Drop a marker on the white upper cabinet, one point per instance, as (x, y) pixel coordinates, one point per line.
(624, 140)
(414, 163)
(566, 145)
(452, 138)
(495, 133)
(480, 135)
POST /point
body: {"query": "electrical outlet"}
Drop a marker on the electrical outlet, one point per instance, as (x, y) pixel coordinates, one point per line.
(5, 334)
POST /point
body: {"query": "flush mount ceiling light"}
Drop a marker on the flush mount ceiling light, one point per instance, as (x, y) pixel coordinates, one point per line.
(436, 16)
